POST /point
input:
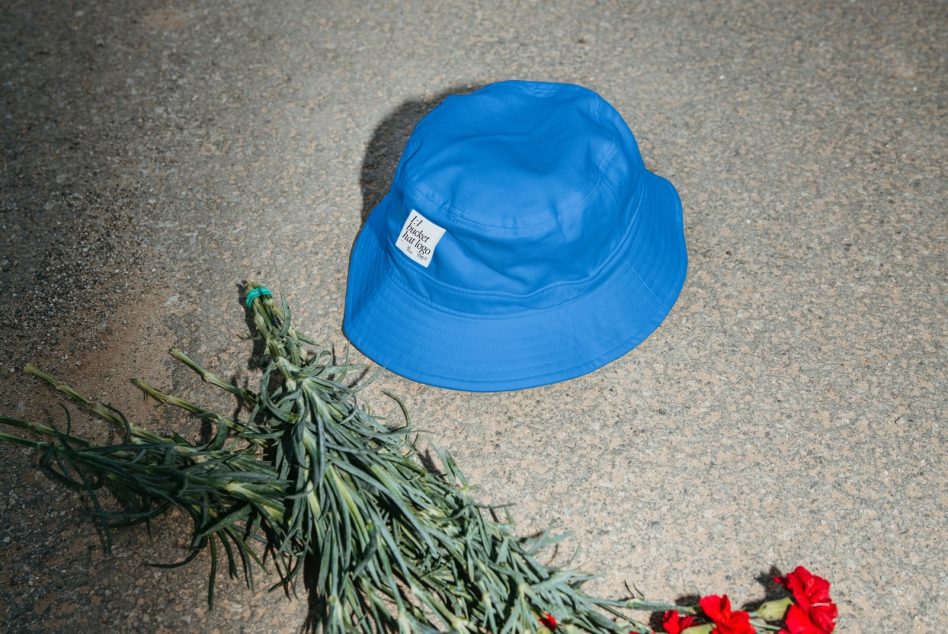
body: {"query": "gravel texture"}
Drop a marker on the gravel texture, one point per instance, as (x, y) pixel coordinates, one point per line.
(791, 409)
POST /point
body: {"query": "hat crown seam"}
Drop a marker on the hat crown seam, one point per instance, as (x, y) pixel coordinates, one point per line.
(410, 182)
(608, 266)
(506, 315)
(461, 218)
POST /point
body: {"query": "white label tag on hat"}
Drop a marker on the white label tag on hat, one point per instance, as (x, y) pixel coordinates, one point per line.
(418, 238)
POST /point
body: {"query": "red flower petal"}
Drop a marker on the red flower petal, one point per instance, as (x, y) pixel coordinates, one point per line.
(811, 594)
(824, 617)
(726, 621)
(797, 622)
(549, 621)
(673, 623)
(715, 607)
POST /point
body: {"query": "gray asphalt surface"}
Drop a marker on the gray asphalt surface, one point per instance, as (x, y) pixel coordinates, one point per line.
(790, 410)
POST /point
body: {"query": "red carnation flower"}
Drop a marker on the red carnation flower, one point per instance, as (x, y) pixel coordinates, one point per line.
(674, 624)
(797, 622)
(718, 609)
(549, 621)
(811, 594)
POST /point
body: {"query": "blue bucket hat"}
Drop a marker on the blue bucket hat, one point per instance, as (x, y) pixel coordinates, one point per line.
(522, 243)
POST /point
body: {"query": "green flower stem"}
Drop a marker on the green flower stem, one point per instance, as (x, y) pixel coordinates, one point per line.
(23, 442)
(659, 606)
(103, 412)
(248, 397)
(211, 417)
(43, 430)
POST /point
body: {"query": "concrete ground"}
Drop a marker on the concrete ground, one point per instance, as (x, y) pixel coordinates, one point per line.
(791, 410)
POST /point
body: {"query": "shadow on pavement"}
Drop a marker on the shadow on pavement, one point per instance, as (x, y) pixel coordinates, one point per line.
(388, 141)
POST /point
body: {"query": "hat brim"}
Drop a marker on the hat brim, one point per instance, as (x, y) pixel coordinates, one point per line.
(491, 353)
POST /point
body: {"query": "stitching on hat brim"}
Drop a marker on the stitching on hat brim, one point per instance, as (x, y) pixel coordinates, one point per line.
(537, 379)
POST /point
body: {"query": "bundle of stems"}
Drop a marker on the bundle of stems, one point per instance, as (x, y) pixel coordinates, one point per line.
(382, 538)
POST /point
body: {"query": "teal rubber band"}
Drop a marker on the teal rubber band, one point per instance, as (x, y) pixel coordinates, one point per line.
(260, 291)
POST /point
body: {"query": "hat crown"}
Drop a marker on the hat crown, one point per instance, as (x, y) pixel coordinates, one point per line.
(532, 183)
(522, 243)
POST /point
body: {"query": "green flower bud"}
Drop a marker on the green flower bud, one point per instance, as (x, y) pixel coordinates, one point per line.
(774, 610)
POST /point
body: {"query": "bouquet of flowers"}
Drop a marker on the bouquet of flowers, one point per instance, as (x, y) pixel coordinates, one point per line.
(390, 538)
